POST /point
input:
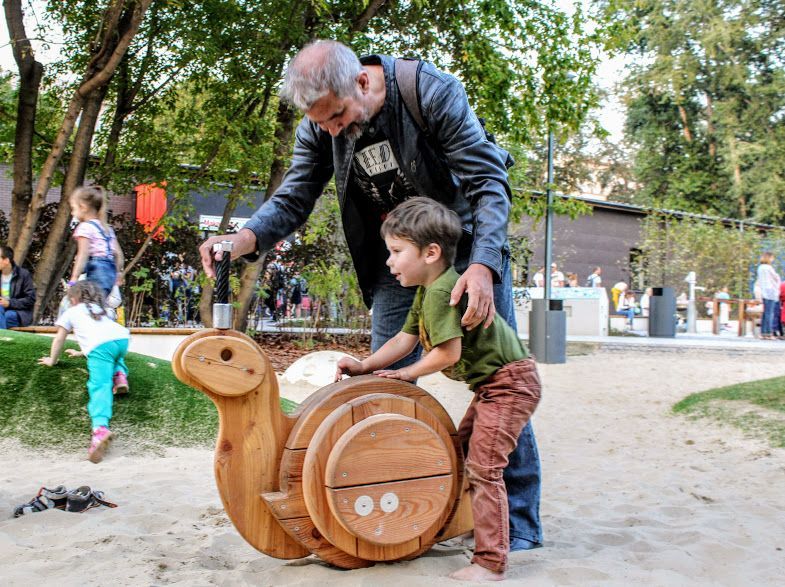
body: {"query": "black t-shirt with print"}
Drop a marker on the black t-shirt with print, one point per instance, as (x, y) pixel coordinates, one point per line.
(379, 184)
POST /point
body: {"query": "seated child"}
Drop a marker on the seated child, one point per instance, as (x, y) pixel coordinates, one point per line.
(105, 344)
(421, 236)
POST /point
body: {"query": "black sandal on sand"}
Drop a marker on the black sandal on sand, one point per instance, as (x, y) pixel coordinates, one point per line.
(83, 498)
(46, 499)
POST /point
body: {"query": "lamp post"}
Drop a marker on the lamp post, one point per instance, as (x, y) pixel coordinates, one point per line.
(547, 319)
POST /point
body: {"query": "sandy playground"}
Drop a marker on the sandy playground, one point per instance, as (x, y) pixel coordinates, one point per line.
(631, 495)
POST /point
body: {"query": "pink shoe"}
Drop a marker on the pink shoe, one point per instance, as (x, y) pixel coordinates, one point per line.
(120, 384)
(102, 436)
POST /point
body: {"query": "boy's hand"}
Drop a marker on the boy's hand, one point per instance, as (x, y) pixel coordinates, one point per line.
(73, 353)
(48, 361)
(348, 366)
(402, 374)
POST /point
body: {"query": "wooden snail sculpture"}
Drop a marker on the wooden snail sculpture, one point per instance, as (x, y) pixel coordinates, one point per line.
(366, 469)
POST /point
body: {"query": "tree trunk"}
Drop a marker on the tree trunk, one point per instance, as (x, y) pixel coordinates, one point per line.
(685, 124)
(119, 31)
(710, 128)
(30, 74)
(284, 129)
(735, 163)
(48, 270)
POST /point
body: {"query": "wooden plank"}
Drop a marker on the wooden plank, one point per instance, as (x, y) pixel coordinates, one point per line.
(303, 531)
(321, 403)
(225, 365)
(391, 513)
(314, 465)
(386, 447)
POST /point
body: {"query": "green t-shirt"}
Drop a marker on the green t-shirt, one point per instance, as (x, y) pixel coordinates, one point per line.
(483, 350)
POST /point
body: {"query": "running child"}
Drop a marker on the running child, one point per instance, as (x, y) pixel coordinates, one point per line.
(98, 252)
(422, 236)
(105, 344)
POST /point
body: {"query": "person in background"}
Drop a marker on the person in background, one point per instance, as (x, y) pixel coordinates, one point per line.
(98, 252)
(627, 307)
(557, 277)
(539, 277)
(616, 292)
(17, 292)
(769, 283)
(646, 302)
(594, 279)
(572, 280)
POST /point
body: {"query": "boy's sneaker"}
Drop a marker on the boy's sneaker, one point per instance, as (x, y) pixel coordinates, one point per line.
(119, 384)
(102, 436)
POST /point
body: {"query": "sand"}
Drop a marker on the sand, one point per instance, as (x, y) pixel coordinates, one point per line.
(631, 495)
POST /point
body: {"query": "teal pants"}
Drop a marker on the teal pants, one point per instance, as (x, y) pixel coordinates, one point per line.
(102, 363)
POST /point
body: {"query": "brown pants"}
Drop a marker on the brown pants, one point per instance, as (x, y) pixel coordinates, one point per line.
(489, 431)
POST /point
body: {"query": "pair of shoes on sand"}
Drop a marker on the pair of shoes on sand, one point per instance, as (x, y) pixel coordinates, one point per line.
(76, 500)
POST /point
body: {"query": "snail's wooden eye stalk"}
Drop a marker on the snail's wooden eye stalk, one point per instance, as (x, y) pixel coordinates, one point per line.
(367, 469)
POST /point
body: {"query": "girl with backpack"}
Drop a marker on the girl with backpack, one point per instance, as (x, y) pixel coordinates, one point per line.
(98, 253)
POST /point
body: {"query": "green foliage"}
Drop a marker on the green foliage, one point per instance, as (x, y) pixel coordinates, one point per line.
(757, 407)
(45, 406)
(705, 99)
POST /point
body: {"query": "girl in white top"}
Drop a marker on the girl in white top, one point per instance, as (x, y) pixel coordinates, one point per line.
(769, 283)
(105, 344)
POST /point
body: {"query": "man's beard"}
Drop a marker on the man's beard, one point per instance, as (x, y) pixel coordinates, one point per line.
(356, 129)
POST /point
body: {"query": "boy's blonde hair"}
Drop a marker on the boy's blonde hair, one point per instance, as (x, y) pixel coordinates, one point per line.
(91, 295)
(424, 221)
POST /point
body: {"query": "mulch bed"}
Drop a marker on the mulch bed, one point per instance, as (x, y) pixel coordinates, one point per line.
(285, 348)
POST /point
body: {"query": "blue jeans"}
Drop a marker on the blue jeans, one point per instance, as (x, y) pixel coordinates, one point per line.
(391, 304)
(770, 314)
(102, 363)
(102, 270)
(8, 318)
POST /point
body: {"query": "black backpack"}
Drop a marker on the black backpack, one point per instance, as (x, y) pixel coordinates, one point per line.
(407, 76)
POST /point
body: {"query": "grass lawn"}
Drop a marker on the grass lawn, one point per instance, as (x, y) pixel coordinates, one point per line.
(47, 406)
(757, 407)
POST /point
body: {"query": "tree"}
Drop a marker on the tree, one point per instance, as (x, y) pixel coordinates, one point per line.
(705, 102)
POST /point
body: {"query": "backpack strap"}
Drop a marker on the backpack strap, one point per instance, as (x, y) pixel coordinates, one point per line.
(107, 236)
(407, 74)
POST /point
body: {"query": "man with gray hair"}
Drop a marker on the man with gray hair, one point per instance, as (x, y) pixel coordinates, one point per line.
(360, 127)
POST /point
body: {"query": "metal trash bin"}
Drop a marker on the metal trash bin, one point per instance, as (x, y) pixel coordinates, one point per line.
(662, 312)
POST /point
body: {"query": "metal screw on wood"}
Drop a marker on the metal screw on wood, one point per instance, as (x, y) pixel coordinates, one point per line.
(344, 474)
(373, 434)
(440, 462)
(407, 429)
(201, 358)
(283, 506)
(378, 531)
(441, 487)
(297, 528)
(416, 527)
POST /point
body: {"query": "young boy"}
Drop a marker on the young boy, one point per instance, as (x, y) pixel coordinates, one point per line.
(421, 236)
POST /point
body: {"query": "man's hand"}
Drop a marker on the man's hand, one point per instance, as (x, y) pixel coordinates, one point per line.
(4, 302)
(348, 366)
(244, 244)
(73, 353)
(402, 374)
(477, 281)
(48, 361)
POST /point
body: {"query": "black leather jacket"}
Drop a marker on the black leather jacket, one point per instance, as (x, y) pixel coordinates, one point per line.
(454, 164)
